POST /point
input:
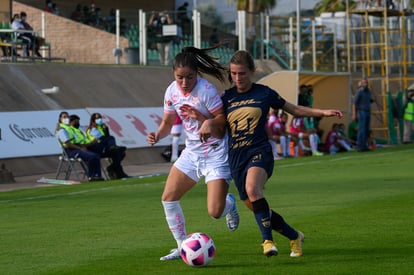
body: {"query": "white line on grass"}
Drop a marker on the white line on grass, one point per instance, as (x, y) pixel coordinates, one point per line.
(353, 156)
(76, 193)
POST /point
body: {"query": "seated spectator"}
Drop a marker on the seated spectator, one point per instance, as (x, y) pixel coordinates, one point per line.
(341, 132)
(27, 38)
(49, 6)
(73, 146)
(37, 40)
(335, 142)
(110, 21)
(77, 14)
(280, 135)
(298, 130)
(98, 131)
(56, 9)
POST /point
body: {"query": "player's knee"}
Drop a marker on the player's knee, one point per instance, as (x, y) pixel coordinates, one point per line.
(214, 213)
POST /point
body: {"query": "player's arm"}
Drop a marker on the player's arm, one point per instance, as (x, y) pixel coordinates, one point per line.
(303, 111)
(214, 126)
(164, 129)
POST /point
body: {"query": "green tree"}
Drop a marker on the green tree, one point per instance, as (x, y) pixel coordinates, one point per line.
(332, 6)
(255, 5)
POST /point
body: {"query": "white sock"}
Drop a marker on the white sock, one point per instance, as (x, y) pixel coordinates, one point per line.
(228, 207)
(313, 140)
(175, 219)
(174, 147)
(295, 148)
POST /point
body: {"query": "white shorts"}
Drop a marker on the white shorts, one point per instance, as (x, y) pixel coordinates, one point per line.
(176, 129)
(195, 166)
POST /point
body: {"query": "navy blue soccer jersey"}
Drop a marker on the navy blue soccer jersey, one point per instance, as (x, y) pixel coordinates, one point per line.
(246, 119)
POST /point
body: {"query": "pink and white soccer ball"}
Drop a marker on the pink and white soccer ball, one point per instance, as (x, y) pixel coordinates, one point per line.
(197, 250)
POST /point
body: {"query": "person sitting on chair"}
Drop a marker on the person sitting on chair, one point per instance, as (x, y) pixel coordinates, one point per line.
(37, 40)
(69, 142)
(99, 131)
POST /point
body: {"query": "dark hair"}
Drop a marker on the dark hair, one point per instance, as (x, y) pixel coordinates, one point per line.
(73, 117)
(242, 58)
(60, 116)
(93, 117)
(199, 61)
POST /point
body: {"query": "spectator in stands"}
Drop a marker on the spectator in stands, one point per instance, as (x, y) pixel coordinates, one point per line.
(27, 38)
(49, 6)
(163, 42)
(182, 17)
(73, 146)
(98, 132)
(77, 14)
(56, 9)
(36, 39)
(110, 21)
(214, 38)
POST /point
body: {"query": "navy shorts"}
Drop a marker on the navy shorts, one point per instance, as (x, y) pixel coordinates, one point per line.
(262, 158)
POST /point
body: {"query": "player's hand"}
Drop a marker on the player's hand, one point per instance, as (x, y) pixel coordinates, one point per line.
(190, 111)
(336, 113)
(205, 131)
(152, 138)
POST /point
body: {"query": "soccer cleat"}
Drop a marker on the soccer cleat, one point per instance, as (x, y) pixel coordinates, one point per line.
(174, 255)
(317, 153)
(232, 218)
(296, 245)
(269, 248)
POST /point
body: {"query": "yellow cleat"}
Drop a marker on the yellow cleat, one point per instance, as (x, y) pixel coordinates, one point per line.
(296, 245)
(269, 248)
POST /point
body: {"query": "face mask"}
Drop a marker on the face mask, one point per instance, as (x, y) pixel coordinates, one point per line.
(163, 20)
(76, 125)
(65, 121)
(99, 121)
(23, 17)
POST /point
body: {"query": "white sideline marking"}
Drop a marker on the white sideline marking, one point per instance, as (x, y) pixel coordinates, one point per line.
(355, 156)
(76, 193)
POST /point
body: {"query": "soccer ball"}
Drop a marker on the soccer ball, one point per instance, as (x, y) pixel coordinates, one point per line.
(197, 250)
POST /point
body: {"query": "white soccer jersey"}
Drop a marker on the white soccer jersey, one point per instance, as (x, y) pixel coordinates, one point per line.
(205, 98)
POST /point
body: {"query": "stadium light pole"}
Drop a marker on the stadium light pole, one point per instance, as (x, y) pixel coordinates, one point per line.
(298, 65)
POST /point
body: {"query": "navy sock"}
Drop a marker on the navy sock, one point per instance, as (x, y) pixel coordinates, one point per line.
(279, 225)
(262, 214)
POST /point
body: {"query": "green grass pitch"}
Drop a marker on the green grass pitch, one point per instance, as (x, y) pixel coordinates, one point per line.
(356, 210)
